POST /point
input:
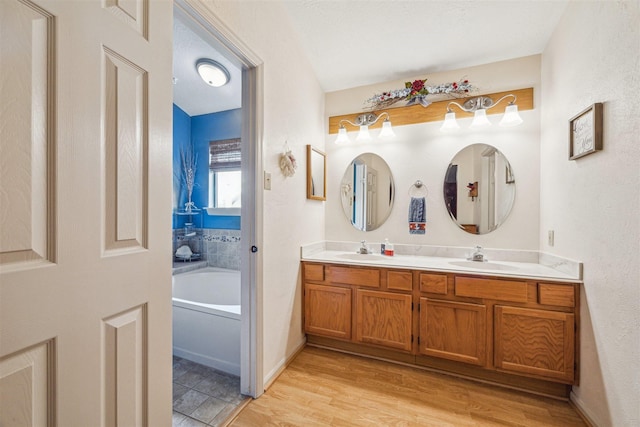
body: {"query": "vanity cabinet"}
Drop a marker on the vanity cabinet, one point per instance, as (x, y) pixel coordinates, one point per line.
(383, 318)
(512, 331)
(453, 330)
(540, 343)
(358, 304)
(327, 311)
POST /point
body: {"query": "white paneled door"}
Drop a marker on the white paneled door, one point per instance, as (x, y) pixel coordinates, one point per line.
(85, 211)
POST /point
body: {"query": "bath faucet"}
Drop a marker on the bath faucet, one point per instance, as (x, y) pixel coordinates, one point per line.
(477, 255)
(363, 249)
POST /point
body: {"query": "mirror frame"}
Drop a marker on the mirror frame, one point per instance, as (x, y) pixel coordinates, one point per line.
(310, 173)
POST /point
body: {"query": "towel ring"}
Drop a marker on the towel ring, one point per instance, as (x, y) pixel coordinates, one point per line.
(418, 189)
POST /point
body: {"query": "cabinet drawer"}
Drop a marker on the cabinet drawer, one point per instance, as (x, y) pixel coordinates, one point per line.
(400, 280)
(433, 283)
(314, 272)
(499, 290)
(560, 295)
(368, 277)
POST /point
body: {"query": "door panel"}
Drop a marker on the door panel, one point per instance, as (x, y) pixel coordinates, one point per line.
(85, 211)
(27, 149)
(384, 318)
(453, 330)
(535, 342)
(327, 311)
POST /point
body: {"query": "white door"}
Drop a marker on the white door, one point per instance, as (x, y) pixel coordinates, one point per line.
(85, 211)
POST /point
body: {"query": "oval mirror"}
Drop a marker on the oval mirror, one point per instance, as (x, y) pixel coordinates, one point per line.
(367, 192)
(479, 188)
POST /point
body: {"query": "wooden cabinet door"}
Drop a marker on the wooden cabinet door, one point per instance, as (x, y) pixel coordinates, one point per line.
(453, 330)
(383, 318)
(535, 342)
(327, 311)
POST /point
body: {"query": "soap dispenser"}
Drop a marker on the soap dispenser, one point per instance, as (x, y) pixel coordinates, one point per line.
(388, 248)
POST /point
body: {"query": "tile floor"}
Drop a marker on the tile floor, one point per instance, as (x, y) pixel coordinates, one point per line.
(203, 396)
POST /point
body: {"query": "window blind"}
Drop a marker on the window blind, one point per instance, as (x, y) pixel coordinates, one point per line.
(224, 155)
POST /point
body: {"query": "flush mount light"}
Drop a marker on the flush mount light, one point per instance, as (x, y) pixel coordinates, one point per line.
(212, 72)
(479, 106)
(364, 121)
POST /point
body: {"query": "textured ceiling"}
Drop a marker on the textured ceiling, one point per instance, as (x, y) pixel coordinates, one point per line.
(190, 93)
(354, 43)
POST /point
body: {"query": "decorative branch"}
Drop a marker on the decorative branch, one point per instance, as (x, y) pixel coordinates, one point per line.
(189, 161)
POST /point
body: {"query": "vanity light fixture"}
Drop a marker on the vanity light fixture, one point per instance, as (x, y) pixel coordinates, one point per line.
(213, 73)
(364, 121)
(479, 106)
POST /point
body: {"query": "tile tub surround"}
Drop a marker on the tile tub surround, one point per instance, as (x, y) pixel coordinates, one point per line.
(220, 248)
(203, 396)
(180, 267)
(525, 263)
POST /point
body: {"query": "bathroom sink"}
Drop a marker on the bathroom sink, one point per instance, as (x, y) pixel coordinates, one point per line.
(483, 265)
(361, 257)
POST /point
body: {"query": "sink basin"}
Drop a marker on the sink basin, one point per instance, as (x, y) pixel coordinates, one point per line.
(483, 265)
(361, 257)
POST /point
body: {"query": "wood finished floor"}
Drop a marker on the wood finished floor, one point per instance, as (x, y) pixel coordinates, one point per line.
(326, 388)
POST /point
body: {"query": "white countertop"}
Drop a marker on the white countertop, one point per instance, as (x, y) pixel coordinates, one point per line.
(548, 267)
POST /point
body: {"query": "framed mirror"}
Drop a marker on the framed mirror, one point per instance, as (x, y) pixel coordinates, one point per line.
(316, 174)
(479, 189)
(367, 191)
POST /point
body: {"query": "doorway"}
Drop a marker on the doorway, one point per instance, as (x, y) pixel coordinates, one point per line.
(211, 29)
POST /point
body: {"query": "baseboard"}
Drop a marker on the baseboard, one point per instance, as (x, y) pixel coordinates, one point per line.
(221, 365)
(273, 375)
(578, 406)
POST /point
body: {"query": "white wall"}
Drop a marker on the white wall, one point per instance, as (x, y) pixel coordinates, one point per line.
(293, 112)
(423, 152)
(593, 203)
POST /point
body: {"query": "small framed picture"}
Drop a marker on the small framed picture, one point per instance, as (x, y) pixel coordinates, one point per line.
(585, 132)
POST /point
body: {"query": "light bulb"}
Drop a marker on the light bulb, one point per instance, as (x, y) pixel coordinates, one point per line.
(480, 119)
(511, 116)
(364, 134)
(387, 131)
(450, 122)
(342, 136)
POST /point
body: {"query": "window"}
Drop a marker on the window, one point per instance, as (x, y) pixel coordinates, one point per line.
(225, 178)
(225, 189)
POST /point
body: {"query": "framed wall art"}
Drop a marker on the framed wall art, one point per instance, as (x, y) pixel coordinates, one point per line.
(585, 132)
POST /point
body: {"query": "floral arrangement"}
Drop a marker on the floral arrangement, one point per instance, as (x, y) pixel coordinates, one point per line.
(189, 160)
(417, 92)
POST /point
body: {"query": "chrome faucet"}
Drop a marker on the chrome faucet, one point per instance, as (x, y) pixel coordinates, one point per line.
(477, 255)
(363, 249)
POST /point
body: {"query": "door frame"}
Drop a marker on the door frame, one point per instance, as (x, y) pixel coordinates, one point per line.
(251, 340)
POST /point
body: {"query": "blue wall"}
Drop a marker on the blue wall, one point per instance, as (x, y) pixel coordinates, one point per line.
(201, 130)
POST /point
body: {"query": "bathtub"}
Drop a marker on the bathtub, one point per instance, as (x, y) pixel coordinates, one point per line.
(206, 318)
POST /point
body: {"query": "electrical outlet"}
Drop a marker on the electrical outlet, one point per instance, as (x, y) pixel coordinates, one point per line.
(267, 180)
(550, 237)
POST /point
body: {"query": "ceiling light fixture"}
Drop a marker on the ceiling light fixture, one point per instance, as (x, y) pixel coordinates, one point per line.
(479, 106)
(213, 73)
(364, 121)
